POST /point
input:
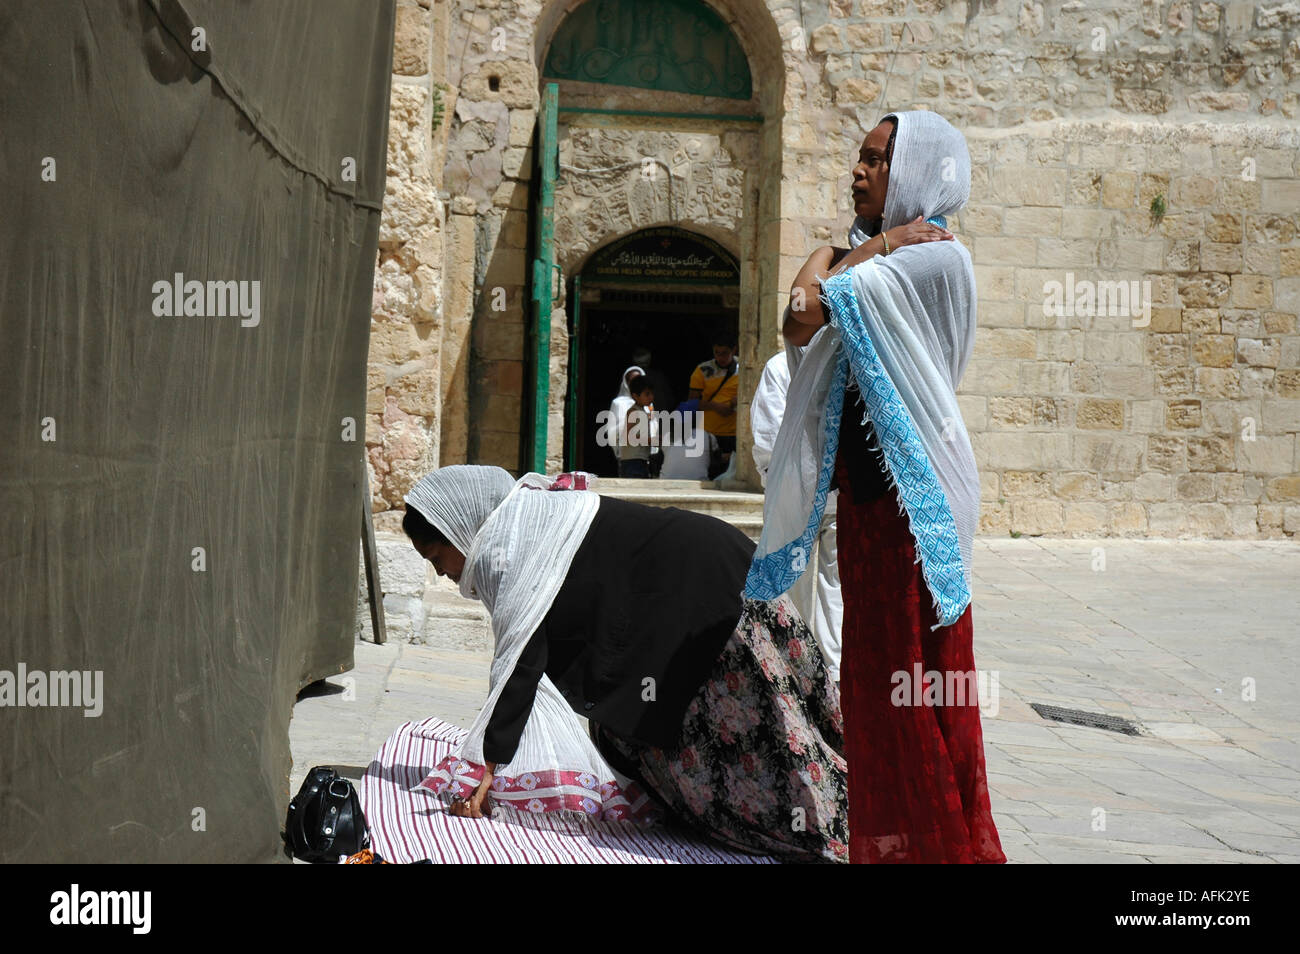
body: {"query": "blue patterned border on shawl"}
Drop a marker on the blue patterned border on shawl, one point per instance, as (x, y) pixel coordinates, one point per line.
(773, 574)
(929, 515)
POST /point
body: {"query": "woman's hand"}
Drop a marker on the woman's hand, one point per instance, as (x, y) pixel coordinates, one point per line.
(478, 805)
(805, 313)
(916, 232)
(910, 233)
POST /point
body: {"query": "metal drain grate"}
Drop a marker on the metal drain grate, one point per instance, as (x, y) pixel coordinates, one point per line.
(1093, 720)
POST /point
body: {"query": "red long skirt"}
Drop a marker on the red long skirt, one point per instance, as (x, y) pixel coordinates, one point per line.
(917, 787)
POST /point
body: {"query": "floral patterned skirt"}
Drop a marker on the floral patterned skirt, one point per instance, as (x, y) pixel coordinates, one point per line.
(759, 764)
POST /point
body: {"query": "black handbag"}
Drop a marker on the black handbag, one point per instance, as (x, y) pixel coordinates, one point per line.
(325, 819)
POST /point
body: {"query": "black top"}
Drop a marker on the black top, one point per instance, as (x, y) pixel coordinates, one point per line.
(652, 594)
(858, 453)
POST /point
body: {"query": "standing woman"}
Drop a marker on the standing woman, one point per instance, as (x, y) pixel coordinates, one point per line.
(872, 411)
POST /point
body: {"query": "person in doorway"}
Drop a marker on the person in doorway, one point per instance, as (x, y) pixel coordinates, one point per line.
(715, 385)
(872, 409)
(637, 431)
(613, 435)
(817, 593)
(664, 398)
(721, 708)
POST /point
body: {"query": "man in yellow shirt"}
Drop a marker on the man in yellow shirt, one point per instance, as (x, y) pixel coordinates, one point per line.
(715, 384)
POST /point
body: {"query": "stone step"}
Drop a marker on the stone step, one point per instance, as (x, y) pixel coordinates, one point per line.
(738, 507)
(674, 486)
(744, 517)
(453, 622)
(700, 503)
(604, 484)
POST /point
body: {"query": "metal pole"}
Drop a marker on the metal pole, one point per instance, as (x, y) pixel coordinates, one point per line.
(543, 298)
(575, 345)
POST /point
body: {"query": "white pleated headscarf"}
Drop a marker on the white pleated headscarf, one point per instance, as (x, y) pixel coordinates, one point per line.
(459, 499)
(517, 565)
(903, 326)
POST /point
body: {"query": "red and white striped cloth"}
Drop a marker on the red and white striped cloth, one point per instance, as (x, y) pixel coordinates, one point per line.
(408, 826)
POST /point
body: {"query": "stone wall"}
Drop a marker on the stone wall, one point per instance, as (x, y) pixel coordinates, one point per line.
(1000, 63)
(1182, 419)
(404, 398)
(489, 164)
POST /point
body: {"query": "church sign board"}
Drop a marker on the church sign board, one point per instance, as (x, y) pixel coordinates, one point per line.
(665, 254)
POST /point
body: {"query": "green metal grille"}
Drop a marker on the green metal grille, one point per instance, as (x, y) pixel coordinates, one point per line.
(680, 46)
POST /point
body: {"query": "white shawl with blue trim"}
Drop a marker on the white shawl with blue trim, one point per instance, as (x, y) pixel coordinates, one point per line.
(904, 326)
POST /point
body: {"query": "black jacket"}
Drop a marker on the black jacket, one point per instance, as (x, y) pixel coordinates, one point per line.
(649, 602)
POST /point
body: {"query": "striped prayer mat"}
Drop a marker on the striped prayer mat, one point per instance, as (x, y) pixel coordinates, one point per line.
(407, 826)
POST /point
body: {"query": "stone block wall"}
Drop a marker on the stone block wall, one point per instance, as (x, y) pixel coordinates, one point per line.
(1180, 417)
(1001, 62)
(404, 400)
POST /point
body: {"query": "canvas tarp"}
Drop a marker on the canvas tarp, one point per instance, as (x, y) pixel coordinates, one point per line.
(180, 502)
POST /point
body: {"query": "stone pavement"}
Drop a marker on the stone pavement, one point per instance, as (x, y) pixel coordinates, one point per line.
(1171, 634)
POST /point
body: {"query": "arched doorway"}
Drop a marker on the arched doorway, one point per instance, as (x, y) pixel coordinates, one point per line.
(667, 291)
(658, 124)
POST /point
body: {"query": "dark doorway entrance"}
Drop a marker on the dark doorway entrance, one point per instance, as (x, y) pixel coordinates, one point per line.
(663, 289)
(676, 326)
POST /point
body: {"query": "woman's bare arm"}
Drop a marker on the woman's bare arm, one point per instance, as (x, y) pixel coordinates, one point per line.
(805, 313)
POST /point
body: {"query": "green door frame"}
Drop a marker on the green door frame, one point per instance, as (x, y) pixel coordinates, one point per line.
(543, 297)
(575, 355)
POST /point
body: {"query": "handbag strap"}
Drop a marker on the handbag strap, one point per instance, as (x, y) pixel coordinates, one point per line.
(725, 378)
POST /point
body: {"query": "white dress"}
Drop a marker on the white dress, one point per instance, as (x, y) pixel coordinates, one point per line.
(816, 595)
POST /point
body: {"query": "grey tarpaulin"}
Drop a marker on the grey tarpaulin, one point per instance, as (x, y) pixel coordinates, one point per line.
(130, 155)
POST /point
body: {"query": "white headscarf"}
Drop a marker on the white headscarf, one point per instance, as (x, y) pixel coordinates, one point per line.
(458, 499)
(517, 565)
(929, 174)
(616, 433)
(904, 326)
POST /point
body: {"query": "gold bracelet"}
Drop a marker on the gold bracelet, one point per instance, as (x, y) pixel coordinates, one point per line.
(885, 238)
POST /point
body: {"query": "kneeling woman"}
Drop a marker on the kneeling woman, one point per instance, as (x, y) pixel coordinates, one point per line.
(627, 615)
